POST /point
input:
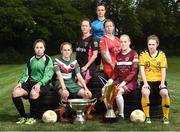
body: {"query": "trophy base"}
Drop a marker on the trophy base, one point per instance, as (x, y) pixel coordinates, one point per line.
(110, 120)
(79, 118)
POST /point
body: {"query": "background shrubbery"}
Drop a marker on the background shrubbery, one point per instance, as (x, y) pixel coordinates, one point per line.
(56, 21)
(10, 56)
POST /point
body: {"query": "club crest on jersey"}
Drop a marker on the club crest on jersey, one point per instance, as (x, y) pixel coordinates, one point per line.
(95, 44)
(158, 64)
(85, 44)
(127, 58)
(72, 66)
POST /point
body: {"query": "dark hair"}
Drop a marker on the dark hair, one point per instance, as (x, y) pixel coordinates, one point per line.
(100, 4)
(39, 40)
(153, 37)
(65, 43)
(86, 19)
(108, 20)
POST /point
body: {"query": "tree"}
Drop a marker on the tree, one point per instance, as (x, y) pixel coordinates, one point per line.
(23, 21)
(160, 18)
(14, 20)
(123, 13)
(56, 21)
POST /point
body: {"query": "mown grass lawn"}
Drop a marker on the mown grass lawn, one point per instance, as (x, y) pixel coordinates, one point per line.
(9, 74)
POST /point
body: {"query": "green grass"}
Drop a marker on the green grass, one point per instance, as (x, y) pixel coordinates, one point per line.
(9, 75)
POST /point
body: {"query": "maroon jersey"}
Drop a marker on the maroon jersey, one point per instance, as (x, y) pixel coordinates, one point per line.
(126, 69)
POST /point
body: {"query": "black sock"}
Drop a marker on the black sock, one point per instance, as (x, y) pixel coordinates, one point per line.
(34, 108)
(19, 106)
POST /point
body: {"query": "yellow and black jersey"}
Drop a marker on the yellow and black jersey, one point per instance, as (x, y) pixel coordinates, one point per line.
(153, 65)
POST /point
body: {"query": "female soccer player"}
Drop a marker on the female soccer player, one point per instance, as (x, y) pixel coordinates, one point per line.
(34, 83)
(125, 72)
(153, 66)
(66, 69)
(86, 51)
(98, 29)
(97, 25)
(110, 47)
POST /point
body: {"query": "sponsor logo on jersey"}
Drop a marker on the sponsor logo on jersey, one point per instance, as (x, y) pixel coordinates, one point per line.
(80, 49)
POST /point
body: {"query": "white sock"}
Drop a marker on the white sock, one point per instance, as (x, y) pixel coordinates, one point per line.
(120, 104)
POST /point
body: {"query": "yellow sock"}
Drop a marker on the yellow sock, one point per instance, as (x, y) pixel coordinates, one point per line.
(145, 106)
(165, 106)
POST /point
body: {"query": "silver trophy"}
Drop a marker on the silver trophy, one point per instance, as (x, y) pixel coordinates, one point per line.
(80, 106)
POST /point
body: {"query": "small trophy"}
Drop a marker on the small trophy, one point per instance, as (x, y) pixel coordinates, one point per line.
(108, 96)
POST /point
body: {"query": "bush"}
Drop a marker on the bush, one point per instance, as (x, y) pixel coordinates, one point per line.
(10, 56)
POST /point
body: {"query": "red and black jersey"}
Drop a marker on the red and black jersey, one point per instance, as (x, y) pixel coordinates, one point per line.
(126, 67)
(84, 51)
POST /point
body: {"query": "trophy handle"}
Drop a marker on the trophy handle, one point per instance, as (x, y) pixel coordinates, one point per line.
(60, 111)
(63, 102)
(93, 101)
(90, 108)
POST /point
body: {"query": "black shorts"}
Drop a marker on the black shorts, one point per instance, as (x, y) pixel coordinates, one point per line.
(27, 86)
(154, 87)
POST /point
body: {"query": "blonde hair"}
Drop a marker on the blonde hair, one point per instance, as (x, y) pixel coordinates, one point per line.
(125, 35)
(153, 37)
(65, 43)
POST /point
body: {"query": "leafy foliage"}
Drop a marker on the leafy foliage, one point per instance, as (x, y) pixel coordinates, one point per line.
(56, 21)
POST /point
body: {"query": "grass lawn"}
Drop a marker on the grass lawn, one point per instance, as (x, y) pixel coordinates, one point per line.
(9, 74)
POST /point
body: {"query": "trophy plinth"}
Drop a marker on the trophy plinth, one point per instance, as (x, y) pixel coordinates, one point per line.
(79, 119)
(80, 106)
(110, 116)
(110, 94)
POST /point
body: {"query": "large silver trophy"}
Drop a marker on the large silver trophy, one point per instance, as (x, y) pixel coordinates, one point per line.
(108, 96)
(80, 106)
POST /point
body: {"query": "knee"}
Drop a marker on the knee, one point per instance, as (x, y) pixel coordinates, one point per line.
(145, 92)
(121, 91)
(16, 93)
(66, 92)
(164, 93)
(34, 94)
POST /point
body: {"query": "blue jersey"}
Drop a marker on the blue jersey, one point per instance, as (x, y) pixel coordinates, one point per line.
(98, 29)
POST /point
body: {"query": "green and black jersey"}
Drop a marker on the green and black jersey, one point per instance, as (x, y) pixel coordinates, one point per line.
(38, 71)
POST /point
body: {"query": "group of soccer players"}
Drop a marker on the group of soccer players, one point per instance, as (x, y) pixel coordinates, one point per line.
(120, 63)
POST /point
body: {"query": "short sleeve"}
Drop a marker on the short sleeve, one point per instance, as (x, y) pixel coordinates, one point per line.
(95, 44)
(102, 44)
(56, 68)
(141, 59)
(135, 58)
(76, 69)
(163, 61)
